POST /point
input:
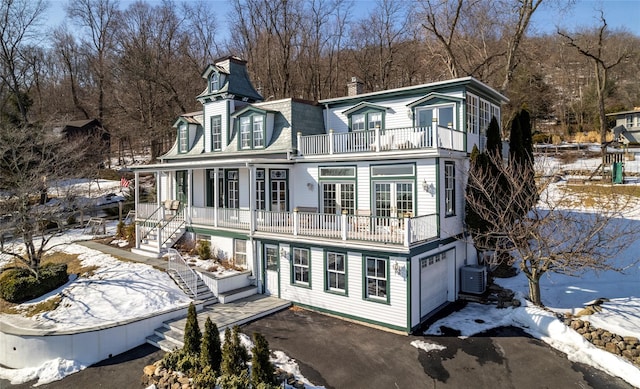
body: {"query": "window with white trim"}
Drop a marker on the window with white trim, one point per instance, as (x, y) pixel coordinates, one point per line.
(261, 202)
(375, 120)
(214, 82)
(449, 189)
(301, 266)
(252, 132)
(240, 253)
(376, 278)
(472, 114)
(357, 122)
(216, 133)
(485, 115)
(183, 138)
(336, 274)
(233, 189)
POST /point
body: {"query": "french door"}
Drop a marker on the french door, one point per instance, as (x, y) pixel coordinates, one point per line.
(393, 199)
(444, 115)
(338, 197)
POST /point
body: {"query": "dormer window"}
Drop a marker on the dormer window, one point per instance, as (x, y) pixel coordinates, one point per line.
(252, 132)
(183, 138)
(214, 82)
(369, 120)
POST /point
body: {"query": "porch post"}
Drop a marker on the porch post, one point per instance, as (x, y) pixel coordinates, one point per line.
(216, 196)
(331, 145)
(189, 195)
(299, 140)
(407, 229)
(377, 135)
(296, 221)
(344, 224)
(434, 133)
(158, 188)
(136, 200)
(252, 199)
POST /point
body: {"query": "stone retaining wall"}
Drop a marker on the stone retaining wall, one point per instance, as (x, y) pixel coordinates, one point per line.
(627, 347)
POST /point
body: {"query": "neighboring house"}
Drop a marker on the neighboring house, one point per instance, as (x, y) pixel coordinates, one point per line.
(627, 128)
(90, 129)
(352, 206)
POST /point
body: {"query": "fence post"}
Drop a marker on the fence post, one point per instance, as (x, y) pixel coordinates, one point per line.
(331, 141)
(377, 140)
(407, 229)
(299, 140)
(296, 221)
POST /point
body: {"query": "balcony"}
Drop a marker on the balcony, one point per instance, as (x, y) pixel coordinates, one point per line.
(381, 140)
(402, 232)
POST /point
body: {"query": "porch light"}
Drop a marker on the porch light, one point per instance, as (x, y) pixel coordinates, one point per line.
(429, 187)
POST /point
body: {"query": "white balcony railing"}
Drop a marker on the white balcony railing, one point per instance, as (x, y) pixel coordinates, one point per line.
(388, 230)
(381, 140)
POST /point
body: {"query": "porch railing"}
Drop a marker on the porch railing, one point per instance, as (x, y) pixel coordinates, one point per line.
(183, 271)
(381, 140)
(391, 230)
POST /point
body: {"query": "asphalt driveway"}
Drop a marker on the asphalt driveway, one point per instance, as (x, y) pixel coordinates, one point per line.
(340, 354)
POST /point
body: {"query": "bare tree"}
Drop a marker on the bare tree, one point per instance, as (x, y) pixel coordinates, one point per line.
(19, 22)
(563, 233)
(603, 61)
(31, 160)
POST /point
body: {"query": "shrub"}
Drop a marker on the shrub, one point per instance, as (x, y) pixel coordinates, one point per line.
(121, 230)
(541, 138)
(261, 368)
(204, 249)
(19, 285)
(234, 355)
(234, 381)
(192, 334)
(130, 233)
(210, 351)
(205, 379)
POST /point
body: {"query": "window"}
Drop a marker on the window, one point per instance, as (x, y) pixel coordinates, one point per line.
(240, 253)
(367, 121)
(629, 121)
(336, 276)
(376, 278)
(338, 197)
(301, 266)
(183, 138)
(233, 189)
(357, 122)
(216, 133)
(449, 188)
(485, 116)
(260, 190)
(472, 114)
(278, 194)
(214, 82)
(272, 257)
(252, 132)
(375, 120)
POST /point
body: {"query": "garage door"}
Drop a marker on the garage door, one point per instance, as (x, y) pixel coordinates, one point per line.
(434, 282)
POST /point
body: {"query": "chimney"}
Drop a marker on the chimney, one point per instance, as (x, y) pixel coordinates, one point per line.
(354, 87)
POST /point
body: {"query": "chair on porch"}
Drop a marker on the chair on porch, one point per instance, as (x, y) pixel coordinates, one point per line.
(362, 220)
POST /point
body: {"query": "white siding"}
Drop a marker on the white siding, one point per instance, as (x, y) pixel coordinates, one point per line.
(198, 188)
(453, 225)
(354, 303)
(426, 172)
(303, 185)
(214, 108)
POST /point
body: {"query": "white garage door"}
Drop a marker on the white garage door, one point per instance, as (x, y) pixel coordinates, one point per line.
(434, 282)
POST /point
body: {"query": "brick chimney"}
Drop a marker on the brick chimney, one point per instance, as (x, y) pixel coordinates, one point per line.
(354, 87)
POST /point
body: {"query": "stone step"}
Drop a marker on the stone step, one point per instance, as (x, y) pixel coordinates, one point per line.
(162, 343)
(237, 294)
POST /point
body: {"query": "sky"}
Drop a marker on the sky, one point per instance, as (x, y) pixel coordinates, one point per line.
(618, 13)
(85, 306)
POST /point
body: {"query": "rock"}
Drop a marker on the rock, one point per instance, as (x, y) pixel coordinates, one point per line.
(585, 312)
(627, 354)
(612, 348)
(621, 345)
(581, 330)
(587, 336)
(184, 380)
(515, 303)
(298, 385)
(149, 370)
(630, 340)
(577, 324)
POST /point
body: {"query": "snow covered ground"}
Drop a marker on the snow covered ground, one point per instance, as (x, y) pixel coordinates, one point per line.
(119, 295)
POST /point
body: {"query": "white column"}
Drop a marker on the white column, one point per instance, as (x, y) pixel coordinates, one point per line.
(216, 196)
(252, 199)
(189, 194)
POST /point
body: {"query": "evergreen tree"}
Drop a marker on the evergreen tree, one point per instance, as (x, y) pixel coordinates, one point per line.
(210, 351)
(527, 135)
(521, 153)
(516, 146)
(494, 140)
(234, 355)
(261, 368)
(192, 334)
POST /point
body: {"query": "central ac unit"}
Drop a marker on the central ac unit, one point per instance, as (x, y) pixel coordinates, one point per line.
(473, 279)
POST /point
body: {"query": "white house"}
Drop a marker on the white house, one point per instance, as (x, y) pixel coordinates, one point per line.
(352, 206)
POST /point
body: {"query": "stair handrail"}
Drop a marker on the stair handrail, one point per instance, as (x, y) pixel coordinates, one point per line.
(183, 270)
(156, 223)
(179, 223)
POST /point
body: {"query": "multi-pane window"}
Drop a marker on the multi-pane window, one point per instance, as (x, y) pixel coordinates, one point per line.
(376, 278)
(252, 132)
(240, 253)
(336, 276)
(214, 82)
(357, 122)
(449, 188)
(183, 138)
(375, 120)
(271, 254)
(338, 197)
(260, 190)
(472, 114)
(485, 116)
(301, 266)
(245, 132)
(278, 194)
(629, 121)
(258, 133)
(216, 133)
(233, 189)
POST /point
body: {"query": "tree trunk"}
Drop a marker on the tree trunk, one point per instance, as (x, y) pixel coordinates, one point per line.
(534, 291)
